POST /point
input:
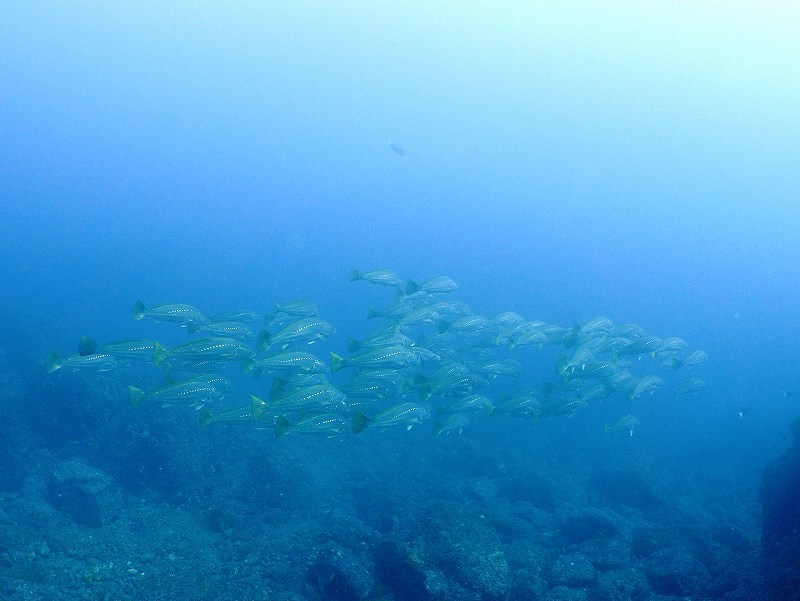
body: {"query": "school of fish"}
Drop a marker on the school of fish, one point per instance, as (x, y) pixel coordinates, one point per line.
(429, 358)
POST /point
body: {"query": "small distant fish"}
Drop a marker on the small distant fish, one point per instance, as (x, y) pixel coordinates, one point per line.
(304, 399)
(690, 386)
(237, 415)
(291, 311)
(397, 149)
(389, 357)
(696, 358)
(206, 349)
(191, 393)
(227, 329)
(306, 331)
(240, 315)
(648, 384)
(438, 285)
(290, 362)
(323, 423)
(627, 423)
(382, 277)
(450, 423)
(177, 312)
(404, 414)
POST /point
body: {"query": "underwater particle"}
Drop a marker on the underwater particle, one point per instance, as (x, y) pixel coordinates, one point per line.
(397, 149)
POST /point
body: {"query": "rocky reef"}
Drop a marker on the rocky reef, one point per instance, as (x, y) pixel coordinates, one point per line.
(780, 539)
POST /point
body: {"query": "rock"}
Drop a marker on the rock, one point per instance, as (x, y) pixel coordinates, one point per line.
(674, 572)
(339, 574)
(780, 530)
(621, 585)
(564, 593)
(83, 493)
(573, 570)
(606, 554)
(587, 524)
(447, 553)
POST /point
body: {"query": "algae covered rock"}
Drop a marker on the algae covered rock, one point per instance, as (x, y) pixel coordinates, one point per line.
(447, 552)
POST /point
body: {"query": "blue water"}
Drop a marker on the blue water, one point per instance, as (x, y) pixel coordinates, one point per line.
(633, 162)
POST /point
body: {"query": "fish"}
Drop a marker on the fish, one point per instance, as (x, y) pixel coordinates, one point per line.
(404, 414)
(246, 414)
(397, 149)
(566, 406)
(191, 393)
(95, 361)
(227, 329)
(240, 315)
(177, 312)
(391, 338)
(306, 399)
(304, 331)
(438, 285)
(137, 350)
(289, 362)
(647, 384)
(626, 423)
(321, 423)
(524, 404)
(449, 386)
(205, 349)
(450, 423)
(466, 324)
(696, 358)
(690, 386)
(578, 361)
(471, 402)
(382, 277)
(391, 357)
(291, 311)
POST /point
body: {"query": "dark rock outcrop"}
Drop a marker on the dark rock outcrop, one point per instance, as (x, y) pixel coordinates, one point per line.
(780, 538)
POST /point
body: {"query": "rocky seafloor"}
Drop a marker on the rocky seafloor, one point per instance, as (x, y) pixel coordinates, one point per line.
(98, 501)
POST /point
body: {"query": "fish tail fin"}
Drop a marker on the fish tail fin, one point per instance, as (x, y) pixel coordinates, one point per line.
(206, 417)
(248, 365)
(355, 274)
(159, 353)
(135, 395)
(676, 363)
(337, 362)
(138, 310)
(437, 428)
(443, 326)
(87, 346)
(411, 287)
(606, 429)
(489, 407)
(192, 327)
(360, 421)
(263, 341)
(258, 406)
(52, 362)
(372, 313)
(281, 426)
(353, 345)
